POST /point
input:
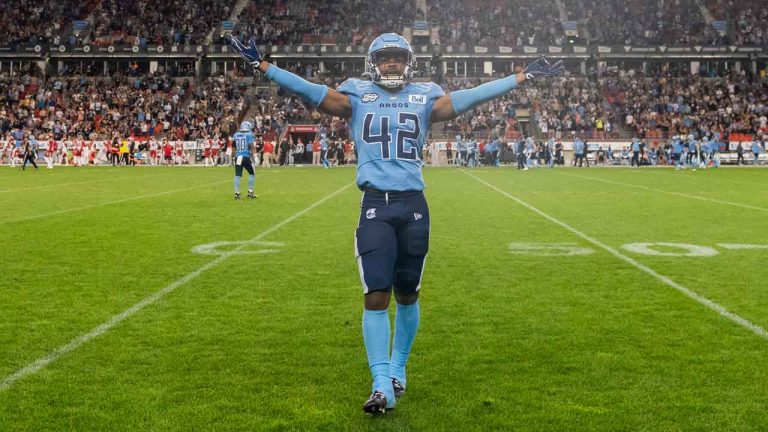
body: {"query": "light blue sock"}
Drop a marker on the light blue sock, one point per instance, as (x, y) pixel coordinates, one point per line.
(251, 182)
(406, 327)
(376, 338)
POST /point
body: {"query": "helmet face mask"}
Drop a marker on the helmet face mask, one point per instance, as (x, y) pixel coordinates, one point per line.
(389, 48)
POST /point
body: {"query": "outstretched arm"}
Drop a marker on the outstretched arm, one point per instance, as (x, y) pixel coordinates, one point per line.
(451, 105)
(329, 101)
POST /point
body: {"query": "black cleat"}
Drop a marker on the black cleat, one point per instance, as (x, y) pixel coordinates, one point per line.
(237, 196)
(251, 195)
(377, 403)
(399, 388)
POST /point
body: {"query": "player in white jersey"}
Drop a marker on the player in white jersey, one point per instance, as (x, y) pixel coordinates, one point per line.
(85, 154)
(153, 157)
(63, 147)
(51, 152)
(10, 146)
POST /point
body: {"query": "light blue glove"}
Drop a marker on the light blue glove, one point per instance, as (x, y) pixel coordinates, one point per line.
(542, 68)
(250, 53)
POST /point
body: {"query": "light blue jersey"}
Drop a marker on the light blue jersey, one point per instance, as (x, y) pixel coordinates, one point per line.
(493, 146)
(578, 147)
(677, 146)
(243, 143)
(713, 146)
(471, 146)
(460, 145)
(389, 129)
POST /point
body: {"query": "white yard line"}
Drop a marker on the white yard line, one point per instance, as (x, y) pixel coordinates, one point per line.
(649, 271)
(730, 203)
(741, 246)
(90, 206)
(75, 343)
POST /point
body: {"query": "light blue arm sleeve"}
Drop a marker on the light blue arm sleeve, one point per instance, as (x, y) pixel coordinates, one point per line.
(312, 93)
(465, 100)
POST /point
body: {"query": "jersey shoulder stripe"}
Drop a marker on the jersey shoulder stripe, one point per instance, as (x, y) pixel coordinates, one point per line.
(354, 85)
(423, 87)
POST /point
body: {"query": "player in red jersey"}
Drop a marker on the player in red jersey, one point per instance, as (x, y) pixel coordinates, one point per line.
(167, 152)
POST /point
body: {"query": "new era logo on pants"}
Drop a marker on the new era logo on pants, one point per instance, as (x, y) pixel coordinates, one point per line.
(417, 216)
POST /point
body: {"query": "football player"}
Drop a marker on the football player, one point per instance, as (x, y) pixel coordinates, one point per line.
(244, 140)
(578, 152)
(756, 150)
(390, 118)
(693, 151)
(678, 152)
(324, 150)
(635, 162)
(30, 152)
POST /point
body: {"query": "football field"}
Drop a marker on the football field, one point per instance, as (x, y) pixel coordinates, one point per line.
(567, 299)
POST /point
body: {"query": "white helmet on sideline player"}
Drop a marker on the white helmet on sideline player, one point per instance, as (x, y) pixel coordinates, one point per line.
(246, 126)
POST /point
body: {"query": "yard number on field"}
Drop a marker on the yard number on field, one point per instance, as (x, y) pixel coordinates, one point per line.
(650, 248)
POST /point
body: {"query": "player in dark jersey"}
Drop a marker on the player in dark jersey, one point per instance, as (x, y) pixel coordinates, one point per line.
(390, 118)
(30, 153)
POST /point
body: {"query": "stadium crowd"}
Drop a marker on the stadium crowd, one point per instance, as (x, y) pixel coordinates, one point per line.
(157, 22)
(664, 106)
(655, 105)
(495, 22)
(642, 22)
(566, 104)
(354, 22)
(748, 22)
(473, 22)
(214, 110)
(140, 107)
(158, 105)
(41, 21)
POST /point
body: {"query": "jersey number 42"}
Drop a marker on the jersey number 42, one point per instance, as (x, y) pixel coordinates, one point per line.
(407, 131)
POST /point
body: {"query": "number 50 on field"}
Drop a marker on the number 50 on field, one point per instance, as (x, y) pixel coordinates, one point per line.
(650, 248)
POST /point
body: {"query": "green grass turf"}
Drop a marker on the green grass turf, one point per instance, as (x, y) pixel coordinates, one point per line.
(273, 341)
